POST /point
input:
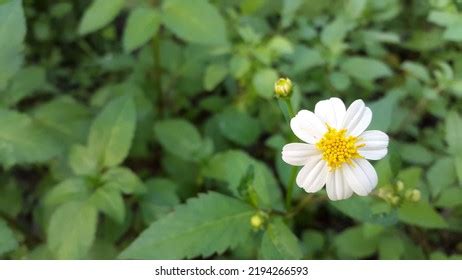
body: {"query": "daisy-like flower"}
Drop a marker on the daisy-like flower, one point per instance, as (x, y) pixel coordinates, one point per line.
(336, 149)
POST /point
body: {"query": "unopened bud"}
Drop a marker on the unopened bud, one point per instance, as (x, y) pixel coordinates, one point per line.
(256, 221)
(413, 195)
(400, 186)
(394, 200)
(283, 87)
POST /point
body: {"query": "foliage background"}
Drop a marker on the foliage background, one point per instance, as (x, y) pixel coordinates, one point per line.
(148, 129)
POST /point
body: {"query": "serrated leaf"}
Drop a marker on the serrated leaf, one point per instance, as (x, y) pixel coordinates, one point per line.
(196, 21)
(279, 243)
(20, 137)
(72, 230)
(180, 138)
(224, 221)
(99, 14)
(421, 214)
(110, 202)
(365, 68)
(8, 241)
(12, 34)
(142, 24)
(112, 131)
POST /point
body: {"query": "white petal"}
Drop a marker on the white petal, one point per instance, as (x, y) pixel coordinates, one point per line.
(375, 144)
(298, 153)
(360, 176)
(331, 111)
(336, 186)
(357, 118)
(312, 177)
(307, 126)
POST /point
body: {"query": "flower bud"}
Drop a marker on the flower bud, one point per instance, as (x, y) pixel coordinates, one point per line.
(399, 185)
(256, 221)
(283, 87)
(413, 195)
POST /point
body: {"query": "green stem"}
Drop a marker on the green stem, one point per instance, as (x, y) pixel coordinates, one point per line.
(290, 187)
(290, 109)
(158, 73)
(293, 172)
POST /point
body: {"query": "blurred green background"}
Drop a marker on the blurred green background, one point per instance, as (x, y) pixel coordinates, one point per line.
(149, 129)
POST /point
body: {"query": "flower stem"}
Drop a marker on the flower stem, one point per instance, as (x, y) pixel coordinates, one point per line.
(289, 107)
(293, 172)
(157, 73)
(290, 188)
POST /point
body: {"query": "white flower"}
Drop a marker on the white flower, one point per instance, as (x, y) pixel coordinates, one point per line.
(336, 150)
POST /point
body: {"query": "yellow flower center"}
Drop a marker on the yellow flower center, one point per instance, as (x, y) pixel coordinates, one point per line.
(337, 148)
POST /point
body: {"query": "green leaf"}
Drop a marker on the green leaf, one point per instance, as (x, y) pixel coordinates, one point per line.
(352, 243)
(231, 166)
(12, 34)
(159, 199)
(195, 21)
(421, 214)
(180, 138)
(453, 136)
(304, 59)
(209, 224)
(239, 65)
(25, 83)
(365, 68)
(214, 74)
(112, 131)
(72, 189)
(279, 243)
(72, 230)
(360, 209)
(239, 127)
(263, 82)
(415, 153)
(417, 70)
(450, 197)
(122, 179)
(441, 175)
(66, 118)
(142, 24)
(82, 161)
(391, 247)
(385, 108)
(110, 202)
(334, 33)
(453, 32)
(8, 242)
(410, 176)
(20, 137)
(99, 14)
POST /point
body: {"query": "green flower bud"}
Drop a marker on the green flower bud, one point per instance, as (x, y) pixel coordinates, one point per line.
(283, 88)
(399, 185)
(256, 221)
(413, 195)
